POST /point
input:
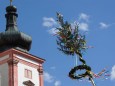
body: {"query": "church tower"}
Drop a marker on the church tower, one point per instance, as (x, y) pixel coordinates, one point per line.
(17, 66)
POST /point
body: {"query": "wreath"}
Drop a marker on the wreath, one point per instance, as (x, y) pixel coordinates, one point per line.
(73, 75)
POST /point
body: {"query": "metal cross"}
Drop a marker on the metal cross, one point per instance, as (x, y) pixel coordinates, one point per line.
(10, 2)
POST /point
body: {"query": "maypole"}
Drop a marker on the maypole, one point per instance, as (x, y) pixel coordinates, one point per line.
(71, 42)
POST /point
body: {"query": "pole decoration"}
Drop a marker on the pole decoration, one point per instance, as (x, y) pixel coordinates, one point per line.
(72, 74)
(71, 42)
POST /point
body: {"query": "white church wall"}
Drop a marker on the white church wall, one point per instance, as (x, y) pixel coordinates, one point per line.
(4, 74)
(4, 57)
(22, 78)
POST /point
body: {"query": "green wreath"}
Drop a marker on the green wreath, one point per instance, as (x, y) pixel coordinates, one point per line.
(73, 75)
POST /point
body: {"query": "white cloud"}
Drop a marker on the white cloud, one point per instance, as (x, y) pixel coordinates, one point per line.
(49, 22)
(103, 25)
(57, 83)
(83, 26)
(84, 16)
(53, 31)
(83, 22)
(113, 73)
(48, 78)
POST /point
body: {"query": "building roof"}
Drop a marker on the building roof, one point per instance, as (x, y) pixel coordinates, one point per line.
(14, 52)
(12, 37)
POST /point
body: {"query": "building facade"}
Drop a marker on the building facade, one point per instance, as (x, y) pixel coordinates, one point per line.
(17, 66)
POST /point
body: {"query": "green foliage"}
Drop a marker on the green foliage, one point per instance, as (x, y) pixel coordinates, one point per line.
(69, 40)
(79, 76)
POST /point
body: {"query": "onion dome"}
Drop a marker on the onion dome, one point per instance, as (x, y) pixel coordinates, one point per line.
(12, 37)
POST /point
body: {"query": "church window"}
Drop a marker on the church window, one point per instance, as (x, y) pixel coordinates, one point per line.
(28, 73)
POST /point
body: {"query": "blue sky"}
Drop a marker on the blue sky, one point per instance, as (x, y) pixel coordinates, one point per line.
(37, 18)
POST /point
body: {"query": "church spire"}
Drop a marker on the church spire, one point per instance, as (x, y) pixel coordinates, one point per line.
(12, 37)
(10, 2)
(11, 18)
